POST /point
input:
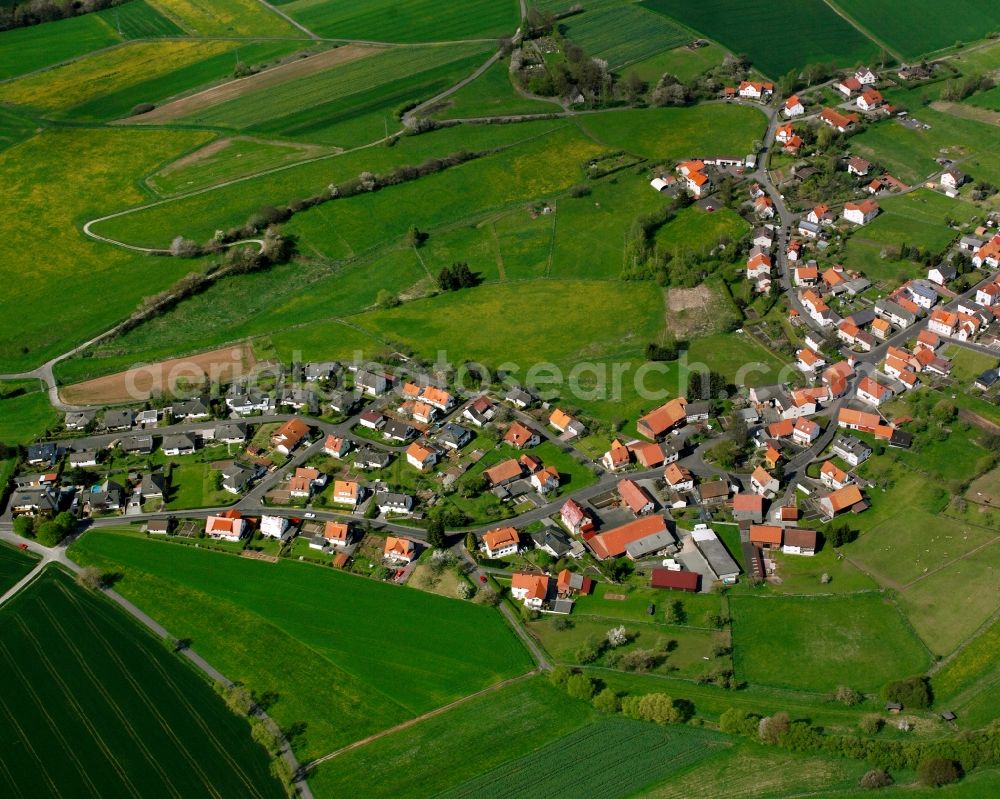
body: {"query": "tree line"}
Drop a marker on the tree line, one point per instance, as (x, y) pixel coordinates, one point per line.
(35, 12)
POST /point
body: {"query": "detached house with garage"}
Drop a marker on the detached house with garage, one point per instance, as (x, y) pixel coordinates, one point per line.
(531, 589)
(501, 542)
(861, 213)
(420, 456)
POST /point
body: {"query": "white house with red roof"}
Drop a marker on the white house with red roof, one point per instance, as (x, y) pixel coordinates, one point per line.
(793, 107)
(531, 589)
(805, 431)
(754, 90)
(861, 213)
(847, 86)
(870, 99)
(872, 392)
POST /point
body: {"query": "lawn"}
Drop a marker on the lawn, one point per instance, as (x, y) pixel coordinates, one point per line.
(573, 475)
(512, 326)
(967, 365)
(777, 36)
(970, 682)
(334, 647)
(914, 27)
(193, 485)
(95, 706)
(491, 94)
(24, 50)
(696, 231)
(750, 771)
(622, 34)
(684, 63)
(25, 411)
(407, 20)
(612, 757)
(606, 603)
(14, 564)
(948, 605)
(48, 198)
(672, 133)
(801, 575)
(421, 761)
(690, 655)
(918, 219)
(909, 154)
(226, 18)
(818, 643)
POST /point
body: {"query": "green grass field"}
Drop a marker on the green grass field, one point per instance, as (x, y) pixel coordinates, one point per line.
(684, 63)
(24, 50)
(971, 680)
(137, 19)
(94, 706)
(14, 564)
(350, 103)
(225, 159)
(406, 20)
(49, 198)
(491, 94)
(421, 761)
(25, 412)
(917, 219)
(226, 18)
(346, 655)
(777, 36)
(673, 133)
(694, 230)
(818, 643)
(623, 34)
(914, 27)
(96, 76)
(909, 154)
(612, 757)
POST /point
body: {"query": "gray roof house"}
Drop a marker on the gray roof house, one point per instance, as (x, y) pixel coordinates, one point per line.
(389, 502)
(231, 432)
(397, 431)
(47, 452)
(153, 484)
(370, 458)
(77, 420)
(454, 436)
(136, 445)
(119, 419)
(200, 408)
(179, 444)
(851, 449)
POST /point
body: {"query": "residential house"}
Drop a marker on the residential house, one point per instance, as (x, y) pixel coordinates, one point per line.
(678, 478)
(856, 165)
(230, 432)
(368, 457)
(569, 584)
(758, 266)
(764, 207)
(881, 328)
(861, 213)
(392, 502)
(894, 312)
(806, 275)
(613, 543)
(556, 543)
(521, 436)
(616, 458)
(871, 392)
(755, 90)
(655, 424)
(635, 497)
(454, 436)
(988, 254)
(793, 107)
(748, 507)
(761, 482)
(372, 383)
(865, 76)
(952, 179)
(531, 589)
(179, 444)
(305, 480)
(79, 420)
(501, 541)
(336, 534)
(519, 398)
(766, 536)
(808, 360)
(576, 518)
(287, 437)
(870, 99)
(713, 491)
(395, 430)
(989, 294)
(273, 526)
(942, 322)
(336, 446)
(763, 237)
(696, 181)
(805, 431)
(845, 498)
(798, 541)
(858, 420)
(399, 550)
(116, 419)
(847, 86)
(650, 455)
(480, 411)
(346, 492)
(83, 458)
(566, 424)
(247, 402)
(545, 479)
(833, 476)
(503, 473)
(193, 409)
(324, 370)
(236, 479)
(853, 450)
(839, 122)
(420, 456)
(225, 527)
